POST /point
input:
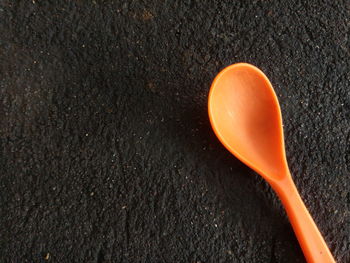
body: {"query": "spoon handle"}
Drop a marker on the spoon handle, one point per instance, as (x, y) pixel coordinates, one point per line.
(310, 239)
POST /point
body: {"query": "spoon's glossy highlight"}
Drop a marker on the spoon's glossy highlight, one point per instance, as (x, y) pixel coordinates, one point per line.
(246, 117)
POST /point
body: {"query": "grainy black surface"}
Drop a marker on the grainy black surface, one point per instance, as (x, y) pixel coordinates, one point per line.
(106, 150)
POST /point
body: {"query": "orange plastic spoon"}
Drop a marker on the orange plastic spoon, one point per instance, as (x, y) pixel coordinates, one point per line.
(246, 117)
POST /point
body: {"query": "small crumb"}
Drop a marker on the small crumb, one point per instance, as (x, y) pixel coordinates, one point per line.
(86, 134)
(147, 15)
(83, 46)
(92, 194)
(229, 252)
(47, 256)
(123, 207)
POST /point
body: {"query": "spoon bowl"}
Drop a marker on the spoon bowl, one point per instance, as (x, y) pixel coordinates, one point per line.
(246, 117)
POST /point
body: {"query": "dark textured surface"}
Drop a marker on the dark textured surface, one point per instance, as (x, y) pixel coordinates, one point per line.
(106, 150)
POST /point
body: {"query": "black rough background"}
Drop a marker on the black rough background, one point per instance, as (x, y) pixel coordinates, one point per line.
(107, 154)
